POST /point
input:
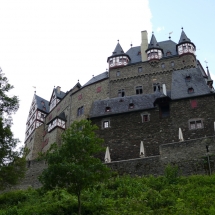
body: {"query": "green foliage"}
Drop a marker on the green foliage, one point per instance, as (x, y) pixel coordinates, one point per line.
(172, 174)
(12, 162)
(73, 165)
(123, 195)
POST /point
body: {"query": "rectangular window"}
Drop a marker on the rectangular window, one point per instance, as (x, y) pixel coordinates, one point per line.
(80, 111)
(99, 89)
(139, 90)
(118, 73)
(106, 124)
(193, 104)
(164, 111)
(80, 97)
(156, 87)
(121, 93)
(145, 117)
(195, 124)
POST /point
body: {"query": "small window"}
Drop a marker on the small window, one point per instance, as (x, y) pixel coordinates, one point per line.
(139, 53)
(106, 124)
(140, 69)
(145, 117)
(99, 89)
(162, 65)
(139, 90)
(193, 104)
(156, 86)
(190, 90)
(187, 78)
(80, 111)
(121, 93)
(172, 64)
(107, 109)
(195, 124)
(118, 73)
(42, 116)
(168, 53)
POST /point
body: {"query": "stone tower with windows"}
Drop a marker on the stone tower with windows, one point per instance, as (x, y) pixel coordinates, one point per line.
(149, 92)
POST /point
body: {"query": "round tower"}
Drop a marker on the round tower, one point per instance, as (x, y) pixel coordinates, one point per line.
(185, 46)
(154, 51)
(118, 58)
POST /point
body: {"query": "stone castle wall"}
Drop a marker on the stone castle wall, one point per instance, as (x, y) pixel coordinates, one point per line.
(127, 130)
(190, 156)
(130, 77)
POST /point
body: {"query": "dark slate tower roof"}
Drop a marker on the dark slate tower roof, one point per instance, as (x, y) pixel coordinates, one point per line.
(184, 37)
(118, 51)
(153, 43)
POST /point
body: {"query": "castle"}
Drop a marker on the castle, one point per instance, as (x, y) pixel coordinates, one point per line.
(151, 93)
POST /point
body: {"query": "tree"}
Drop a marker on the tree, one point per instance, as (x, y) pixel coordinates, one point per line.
(73, 165)
(12, 163)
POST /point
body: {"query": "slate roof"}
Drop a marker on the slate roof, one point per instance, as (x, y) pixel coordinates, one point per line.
(133, 54)
(168, 46)
(59, 95)
(179, 88)
(153, 43)
(184, 38)
(121, 104)
(96, 78)
(40, 105)
(118, 50)
(60, 116)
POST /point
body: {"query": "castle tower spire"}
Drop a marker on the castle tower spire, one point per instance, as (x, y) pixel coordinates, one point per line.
(118, 58)
(154, 51)
(185, 46)
(209, 81)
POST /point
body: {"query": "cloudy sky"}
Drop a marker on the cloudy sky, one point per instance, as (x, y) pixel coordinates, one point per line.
(47, 43)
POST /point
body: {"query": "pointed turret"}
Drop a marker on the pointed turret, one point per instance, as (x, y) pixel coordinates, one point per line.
(209, 80)
(118, 58)
(154, 51)
(185, 46)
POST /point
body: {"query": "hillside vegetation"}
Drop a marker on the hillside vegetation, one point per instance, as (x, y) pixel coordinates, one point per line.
(121, 195)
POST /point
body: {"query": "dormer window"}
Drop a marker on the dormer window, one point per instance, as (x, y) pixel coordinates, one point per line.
(107, 109)
(131, 105)
(190, 90)
(139, 53)
(188, 78)
(168, 53)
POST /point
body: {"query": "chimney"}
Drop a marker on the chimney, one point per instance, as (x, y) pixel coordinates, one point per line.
(144, 45)
(58, 89)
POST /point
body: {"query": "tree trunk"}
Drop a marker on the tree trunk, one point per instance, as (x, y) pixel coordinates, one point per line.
(79, 202)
